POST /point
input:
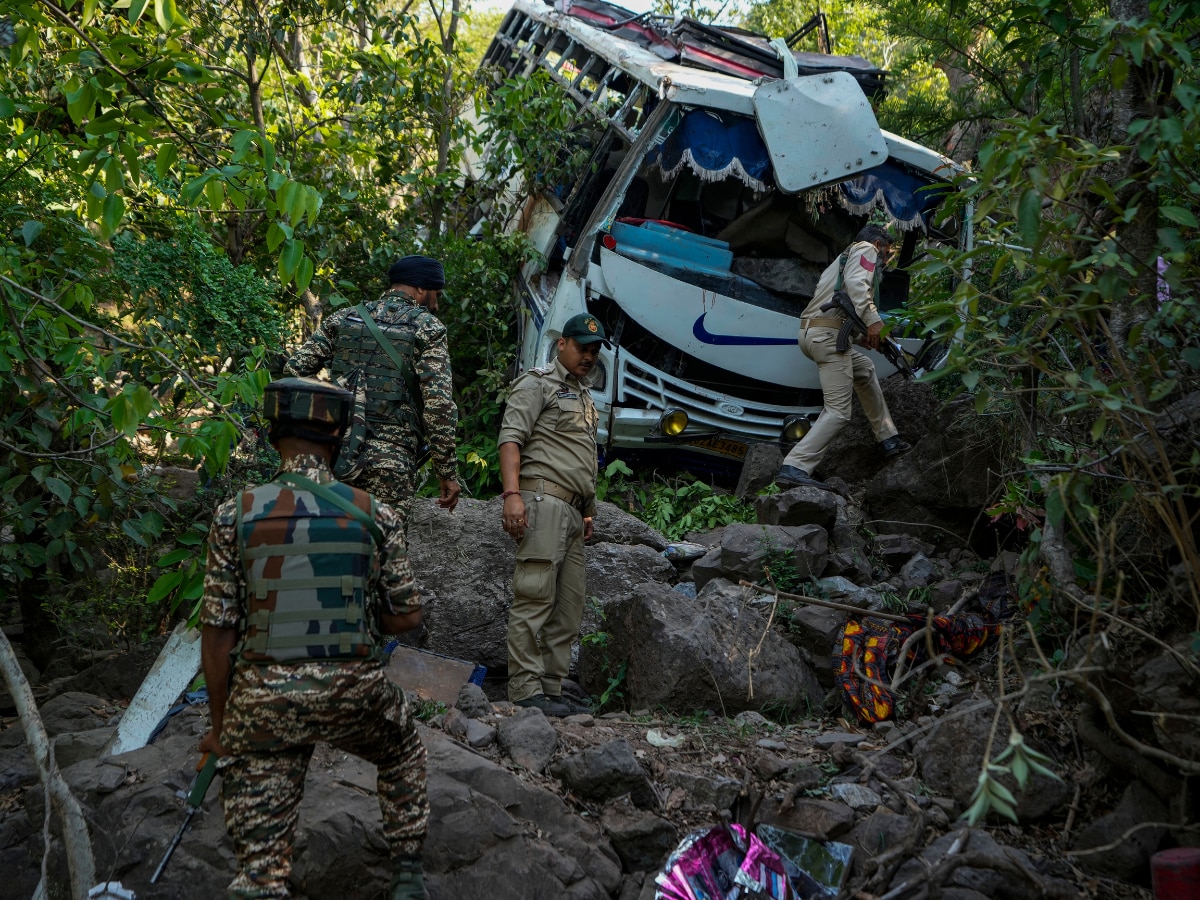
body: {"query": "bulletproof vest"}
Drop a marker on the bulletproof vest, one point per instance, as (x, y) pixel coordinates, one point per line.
(392, 397)
(306, 563)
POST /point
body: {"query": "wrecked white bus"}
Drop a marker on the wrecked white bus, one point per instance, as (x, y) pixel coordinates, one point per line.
(724, 175)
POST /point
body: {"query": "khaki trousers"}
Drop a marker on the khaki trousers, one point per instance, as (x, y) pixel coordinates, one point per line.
(547, 608)
(842, 375)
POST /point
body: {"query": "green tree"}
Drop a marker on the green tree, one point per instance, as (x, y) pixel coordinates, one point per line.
(178, 194)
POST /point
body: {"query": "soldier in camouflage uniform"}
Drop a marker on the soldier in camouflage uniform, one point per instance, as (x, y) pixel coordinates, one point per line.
(303, 575)
(405, 409)
(548, 468)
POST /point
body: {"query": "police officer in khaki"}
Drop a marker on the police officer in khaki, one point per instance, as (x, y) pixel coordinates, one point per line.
(843, 374)
(548, 467)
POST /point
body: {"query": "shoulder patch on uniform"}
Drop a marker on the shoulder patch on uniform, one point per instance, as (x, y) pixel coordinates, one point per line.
(542, 371)
(866, 263)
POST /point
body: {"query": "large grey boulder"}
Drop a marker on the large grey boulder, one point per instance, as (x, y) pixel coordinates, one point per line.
(950, 475)
(641, 839)
(613, 525)
(804, 505)
(464, 564)
(527, 738)
(1121, 842)
(487, 827)
(994, 872)
(706, 652)
(854, 454)
(748, 551)
(605, 773)
(759, 468)
(1164, 686)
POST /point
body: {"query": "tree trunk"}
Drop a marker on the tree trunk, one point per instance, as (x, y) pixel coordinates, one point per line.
(1132, 100)
(80, 863)
(448, 113)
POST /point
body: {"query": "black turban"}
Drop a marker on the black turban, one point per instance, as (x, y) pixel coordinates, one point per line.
(418, 271)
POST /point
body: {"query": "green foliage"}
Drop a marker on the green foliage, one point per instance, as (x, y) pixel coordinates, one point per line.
(779, 568)
(428, 709)
(181, 289)
(613, 479)
(1066, 327)
(598, 641)
(533, 138)
(679, 507)
(990, 793)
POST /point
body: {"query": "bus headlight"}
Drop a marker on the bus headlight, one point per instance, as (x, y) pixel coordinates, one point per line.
(794, 428)
(673, 422)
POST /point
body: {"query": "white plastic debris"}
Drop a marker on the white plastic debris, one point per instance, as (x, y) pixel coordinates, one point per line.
(656, 738)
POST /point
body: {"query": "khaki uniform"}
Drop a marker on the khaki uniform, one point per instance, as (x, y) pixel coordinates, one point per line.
(393, 447)
(550, 415)
(842, 374)
(277, 711)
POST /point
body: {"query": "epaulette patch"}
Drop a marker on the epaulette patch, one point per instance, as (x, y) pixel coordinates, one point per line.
(542, 371)
(866, 263)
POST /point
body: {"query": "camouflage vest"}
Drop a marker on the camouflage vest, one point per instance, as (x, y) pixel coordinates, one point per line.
(307, 561)
(391, 396)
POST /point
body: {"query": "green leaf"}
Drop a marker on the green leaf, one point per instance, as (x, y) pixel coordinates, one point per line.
(175, 556)
(164, 585)
(131, 530)
(268, 152)
(30, 230)
(136, 8)
(132, 163)
(276, 236)
(89, 11)
(164, 13)
(7, 107)
(304, 273)
(1180, 215)
(1055, 507)
(81, 103)
(165, 158)
(293, 252)
(1029, 217)
(114, 210)
(59, 489)
(214, 191)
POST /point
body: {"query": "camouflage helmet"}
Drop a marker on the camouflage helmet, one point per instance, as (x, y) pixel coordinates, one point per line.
(307, 403)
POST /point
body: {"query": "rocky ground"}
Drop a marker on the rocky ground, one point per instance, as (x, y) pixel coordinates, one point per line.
(720, 706)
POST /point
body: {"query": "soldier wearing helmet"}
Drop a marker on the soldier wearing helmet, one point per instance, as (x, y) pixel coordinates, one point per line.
(303, 577)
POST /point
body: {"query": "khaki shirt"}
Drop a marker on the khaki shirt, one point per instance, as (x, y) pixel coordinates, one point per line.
(858, 280)
(550, 415)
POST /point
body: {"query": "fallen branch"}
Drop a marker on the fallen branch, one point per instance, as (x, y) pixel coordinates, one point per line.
(80, 864)
(828, 604)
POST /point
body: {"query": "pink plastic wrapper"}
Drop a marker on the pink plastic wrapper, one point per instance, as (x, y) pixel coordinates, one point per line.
(721, 863)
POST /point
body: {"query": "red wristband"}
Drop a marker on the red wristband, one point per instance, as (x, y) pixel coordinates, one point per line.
(508, 494)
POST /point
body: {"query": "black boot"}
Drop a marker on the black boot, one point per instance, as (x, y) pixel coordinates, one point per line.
(790, 476)
(894, 446)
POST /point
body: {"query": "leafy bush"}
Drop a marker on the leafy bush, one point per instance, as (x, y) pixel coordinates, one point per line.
(673, 507)
(182, 289)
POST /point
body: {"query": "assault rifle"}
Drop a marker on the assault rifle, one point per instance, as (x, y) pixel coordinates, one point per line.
(205, 770)
(854, 324)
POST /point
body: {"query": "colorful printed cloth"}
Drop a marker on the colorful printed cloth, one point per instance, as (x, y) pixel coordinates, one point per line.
(866, 649)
